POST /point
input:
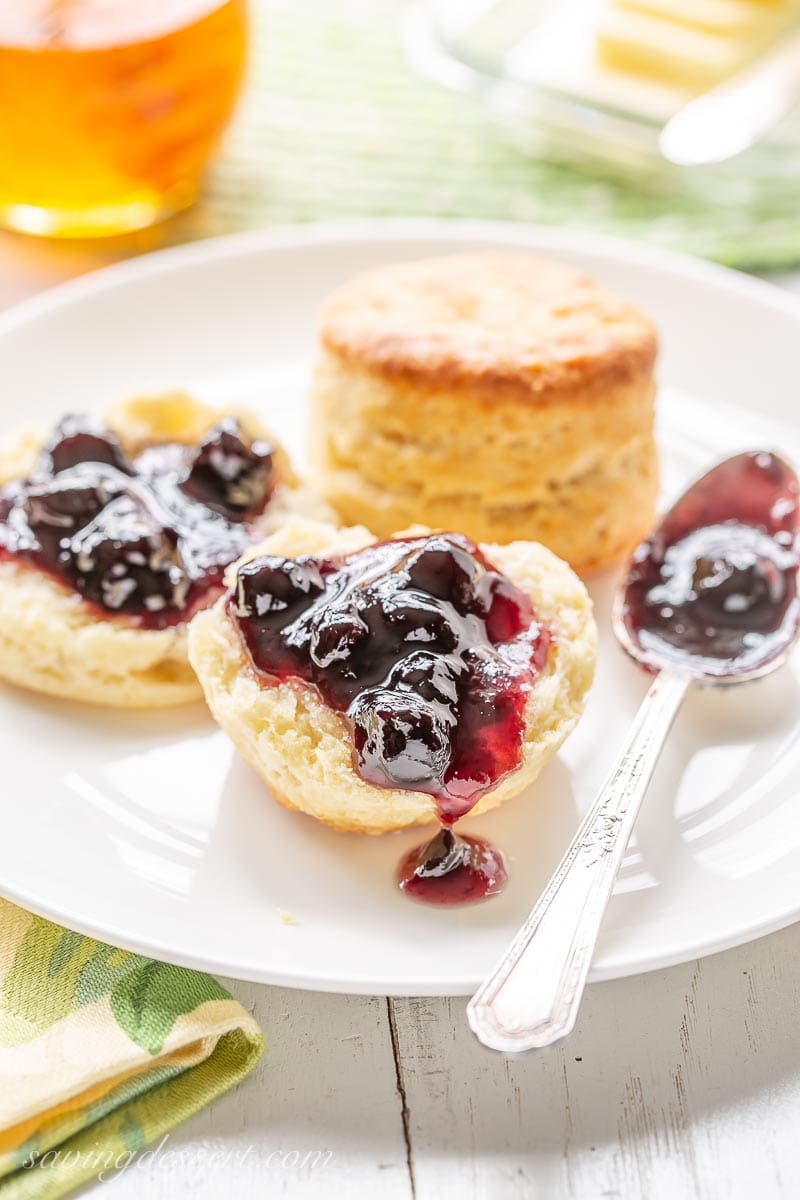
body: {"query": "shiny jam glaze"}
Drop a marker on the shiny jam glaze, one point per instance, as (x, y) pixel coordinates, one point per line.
(452, 869)
(425, 648)
(146, 538)
(714, 589)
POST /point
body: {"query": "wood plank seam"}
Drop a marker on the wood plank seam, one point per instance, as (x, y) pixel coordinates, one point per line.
(401, 1091)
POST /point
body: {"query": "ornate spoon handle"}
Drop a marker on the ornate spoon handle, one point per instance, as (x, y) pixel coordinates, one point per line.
(532, 997)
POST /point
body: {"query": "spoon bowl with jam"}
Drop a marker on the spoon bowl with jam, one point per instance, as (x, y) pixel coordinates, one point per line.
(710, 598)
(713, 593)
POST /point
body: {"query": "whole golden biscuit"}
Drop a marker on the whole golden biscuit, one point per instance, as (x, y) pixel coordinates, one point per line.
(498, 393)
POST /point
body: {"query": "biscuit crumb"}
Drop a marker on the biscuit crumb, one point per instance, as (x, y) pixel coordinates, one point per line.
(286, 918)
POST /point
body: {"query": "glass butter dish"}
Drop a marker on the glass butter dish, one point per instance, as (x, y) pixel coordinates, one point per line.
(564, 78)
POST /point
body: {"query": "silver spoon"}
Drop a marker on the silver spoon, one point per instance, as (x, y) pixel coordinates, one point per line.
(710, 598)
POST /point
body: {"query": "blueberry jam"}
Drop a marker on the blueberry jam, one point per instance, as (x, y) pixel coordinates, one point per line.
(427, 651)
(146, 538)
(421, 643)
(715, 587)
(452, 869)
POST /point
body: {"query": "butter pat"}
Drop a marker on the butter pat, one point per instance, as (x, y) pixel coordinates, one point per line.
(733, 17)
(691, 43)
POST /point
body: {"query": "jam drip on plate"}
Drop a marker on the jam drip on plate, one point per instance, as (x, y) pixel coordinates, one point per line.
(148, 537)
(452, 869)
(427, 651)
(717, 581)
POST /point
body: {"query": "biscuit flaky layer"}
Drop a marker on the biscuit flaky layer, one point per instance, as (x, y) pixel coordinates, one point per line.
(302, 749)
(52, 641)
(503, 395)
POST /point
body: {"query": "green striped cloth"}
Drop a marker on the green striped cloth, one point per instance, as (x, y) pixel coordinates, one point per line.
(101, 1053)
(335, 123)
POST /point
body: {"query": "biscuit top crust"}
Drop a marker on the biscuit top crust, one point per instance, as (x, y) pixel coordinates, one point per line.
(496, 321)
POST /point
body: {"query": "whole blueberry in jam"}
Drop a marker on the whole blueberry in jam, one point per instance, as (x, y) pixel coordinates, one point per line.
(427, 651)
(146, 537)
(80, 439)
(227, 474)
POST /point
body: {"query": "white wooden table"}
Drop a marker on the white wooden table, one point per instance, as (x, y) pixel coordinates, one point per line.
(682, 1083)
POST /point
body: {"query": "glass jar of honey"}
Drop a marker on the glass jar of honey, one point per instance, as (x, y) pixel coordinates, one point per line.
(109, 109)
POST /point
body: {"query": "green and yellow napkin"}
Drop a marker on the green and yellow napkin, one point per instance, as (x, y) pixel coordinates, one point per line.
(101, 1053)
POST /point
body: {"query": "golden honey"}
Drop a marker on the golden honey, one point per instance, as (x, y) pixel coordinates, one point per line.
(109, 109)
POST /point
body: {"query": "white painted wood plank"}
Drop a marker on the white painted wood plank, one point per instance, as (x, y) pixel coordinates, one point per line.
(682, 1083)
(327, 1082)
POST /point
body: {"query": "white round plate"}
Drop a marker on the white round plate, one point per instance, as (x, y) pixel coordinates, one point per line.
(147, 831)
